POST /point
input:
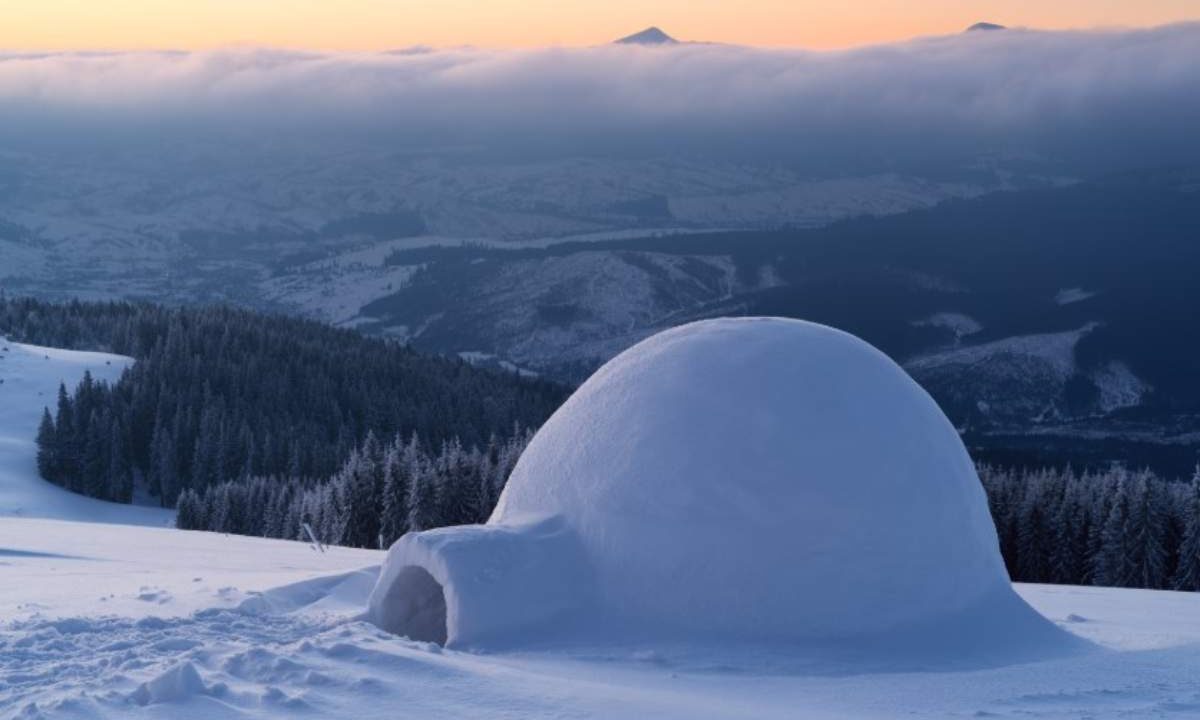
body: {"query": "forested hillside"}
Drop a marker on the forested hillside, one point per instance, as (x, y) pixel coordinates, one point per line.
(1055, 325)
(256, 424)
(381, 492)
(220, 394)
(1113, 528)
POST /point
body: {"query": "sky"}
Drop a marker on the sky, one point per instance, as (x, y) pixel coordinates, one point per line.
(365, 25)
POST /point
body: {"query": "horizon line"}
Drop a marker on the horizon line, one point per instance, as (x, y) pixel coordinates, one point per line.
(416, 48)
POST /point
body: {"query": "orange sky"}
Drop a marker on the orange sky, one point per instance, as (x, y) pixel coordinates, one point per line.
(382, 24)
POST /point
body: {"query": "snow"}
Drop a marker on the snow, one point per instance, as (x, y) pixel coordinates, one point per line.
(178, 683)
(614, 300)
(82, 568)
(30, 378)
(335, 293)
(751, 480)
(810, 203)
(1067, 296)
(1053, 351)
(1027, 376)
(102, 620)
(486, 359)
(477, 584)
(959, 324)
(1119, 387)
(300, 648)
(123, 228)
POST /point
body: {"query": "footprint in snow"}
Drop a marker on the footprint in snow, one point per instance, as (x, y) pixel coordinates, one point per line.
(154, 595)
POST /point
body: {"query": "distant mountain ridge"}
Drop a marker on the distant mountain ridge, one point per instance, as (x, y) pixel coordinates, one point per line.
(650, 36)
(1052, 325)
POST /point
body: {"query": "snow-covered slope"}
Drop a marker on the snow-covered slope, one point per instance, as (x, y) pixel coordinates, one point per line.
(55, 569)
(201, 228)
(559, 313)
(103, 621)
(1022, 378)
(299, 650)
(29, 381)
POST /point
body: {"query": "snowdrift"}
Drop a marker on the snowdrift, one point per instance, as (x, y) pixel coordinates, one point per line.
(751, 480)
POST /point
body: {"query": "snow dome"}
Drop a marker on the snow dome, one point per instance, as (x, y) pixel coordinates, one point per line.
(754, 479)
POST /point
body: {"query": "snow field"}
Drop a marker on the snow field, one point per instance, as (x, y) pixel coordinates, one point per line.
(302, 649)
(123, 619)
(55, 569)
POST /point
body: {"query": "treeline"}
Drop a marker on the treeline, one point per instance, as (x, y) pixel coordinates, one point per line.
(382, 492)
(220, 394)
(87, 450)
(1113, 528)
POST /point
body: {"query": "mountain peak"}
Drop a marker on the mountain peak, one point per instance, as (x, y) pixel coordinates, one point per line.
(649, 36)
(985, 26)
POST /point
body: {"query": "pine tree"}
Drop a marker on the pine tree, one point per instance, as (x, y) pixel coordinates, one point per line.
(1069, 552)
(47, 444)
(187, 511)
(359, 483)
(1002, 491)
(1133, 553)
(397, 474)
(164, 478)
(1107, 487)
(1187, 573)
(423, 499)
(119, 472)
(1149, 525)
(1035, 533)
(1114, 566)
(219, 394)
(67, 455)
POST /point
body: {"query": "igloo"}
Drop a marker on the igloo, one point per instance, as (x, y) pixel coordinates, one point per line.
(744, 480)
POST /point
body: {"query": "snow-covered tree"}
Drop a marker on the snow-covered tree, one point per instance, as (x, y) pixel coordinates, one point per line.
(47, 456)
(1187, 573)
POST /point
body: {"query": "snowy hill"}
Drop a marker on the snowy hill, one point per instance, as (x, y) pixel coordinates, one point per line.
(119, 621)
(255, 233)
(1023, 377)
(29, 381)
(57, 569)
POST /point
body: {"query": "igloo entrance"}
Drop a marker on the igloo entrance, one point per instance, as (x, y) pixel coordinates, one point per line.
(415, 606)
(465, 585)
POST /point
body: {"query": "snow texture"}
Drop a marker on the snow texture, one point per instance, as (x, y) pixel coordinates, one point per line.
(299, 650)
(958, 324)
(108, 620)
(54, 569)
(753, 480)
(1118, 386)
(1051, 353)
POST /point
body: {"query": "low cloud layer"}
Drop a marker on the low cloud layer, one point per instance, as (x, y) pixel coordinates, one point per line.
(1091, 100)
